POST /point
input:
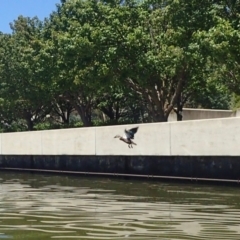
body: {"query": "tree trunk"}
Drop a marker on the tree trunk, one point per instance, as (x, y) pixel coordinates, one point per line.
(117, 115)
(82, 106)
(65, 118)
(179, 108)
(157, 112)
(108, 111)
(157, 115)
(84, 115)
(28, 117)
(179, 115)
(30, 125)
(160, 118)
(29, 121)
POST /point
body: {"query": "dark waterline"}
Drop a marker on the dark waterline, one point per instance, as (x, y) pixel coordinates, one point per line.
(34, 206)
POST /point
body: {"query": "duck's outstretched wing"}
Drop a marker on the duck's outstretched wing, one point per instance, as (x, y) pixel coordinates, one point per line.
(130, 133)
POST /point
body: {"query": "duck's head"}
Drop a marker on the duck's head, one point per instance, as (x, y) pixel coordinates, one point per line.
(117, 136)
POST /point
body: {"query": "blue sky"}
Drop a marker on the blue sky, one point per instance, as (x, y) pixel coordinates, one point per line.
(11, 9)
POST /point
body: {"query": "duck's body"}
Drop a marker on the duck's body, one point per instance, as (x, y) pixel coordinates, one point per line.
(126, 140)
(128, 136)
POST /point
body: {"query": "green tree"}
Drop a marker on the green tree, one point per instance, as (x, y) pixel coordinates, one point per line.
(74, 58)
(154, 52)
(222, 43)
(120, 105)
(148, 47)
(23, 74)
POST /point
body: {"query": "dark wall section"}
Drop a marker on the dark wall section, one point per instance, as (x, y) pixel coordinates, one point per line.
(174, 166)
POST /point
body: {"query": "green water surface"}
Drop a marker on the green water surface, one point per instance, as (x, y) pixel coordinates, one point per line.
(34, 206)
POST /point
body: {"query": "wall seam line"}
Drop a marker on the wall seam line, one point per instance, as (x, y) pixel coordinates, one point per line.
(1, 142)
(170, 140)
(41, 144)
(95, 143)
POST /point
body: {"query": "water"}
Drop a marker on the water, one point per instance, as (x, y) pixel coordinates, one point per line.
(59, 207)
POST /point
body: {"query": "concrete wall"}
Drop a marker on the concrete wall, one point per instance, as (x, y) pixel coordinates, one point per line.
(196, 114)
(237, 113)
(68, 141)
(215, 137)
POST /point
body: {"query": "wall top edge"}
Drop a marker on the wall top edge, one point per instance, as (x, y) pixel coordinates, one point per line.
(209, 110)
(130, 125)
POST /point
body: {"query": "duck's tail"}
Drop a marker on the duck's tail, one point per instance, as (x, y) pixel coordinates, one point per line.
(133, 143)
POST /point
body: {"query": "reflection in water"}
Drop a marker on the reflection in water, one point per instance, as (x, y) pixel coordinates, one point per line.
(60, 207)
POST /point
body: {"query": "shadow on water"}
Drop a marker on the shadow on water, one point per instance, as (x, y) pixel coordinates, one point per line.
(34, 206)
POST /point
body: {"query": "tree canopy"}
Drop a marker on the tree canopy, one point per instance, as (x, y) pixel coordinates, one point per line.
(126, 61)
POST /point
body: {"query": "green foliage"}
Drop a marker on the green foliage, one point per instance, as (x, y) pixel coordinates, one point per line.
(131, 61)
(235, 103)
(23, 76)
(221, 42)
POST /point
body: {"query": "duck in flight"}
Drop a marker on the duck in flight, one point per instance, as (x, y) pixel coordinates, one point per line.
(128, 136)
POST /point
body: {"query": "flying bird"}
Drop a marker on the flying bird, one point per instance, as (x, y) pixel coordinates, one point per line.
(128, 136)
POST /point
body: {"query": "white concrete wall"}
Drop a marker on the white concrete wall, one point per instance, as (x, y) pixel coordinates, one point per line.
(151, 139)
(68, 142)
(218, 137)
(21, 143)
(197, 114)
(237, 113)
(79, 141)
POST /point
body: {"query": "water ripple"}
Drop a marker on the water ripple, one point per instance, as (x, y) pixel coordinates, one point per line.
(43, 207)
